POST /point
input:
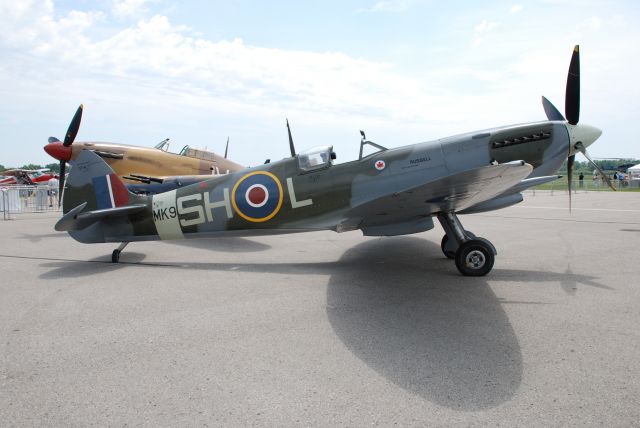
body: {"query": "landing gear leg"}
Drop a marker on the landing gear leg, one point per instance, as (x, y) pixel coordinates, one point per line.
(449, 244)
(115, 256)
(473, 256)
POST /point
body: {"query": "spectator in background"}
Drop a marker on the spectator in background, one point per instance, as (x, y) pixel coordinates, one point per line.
(581, 180)
(52, 185)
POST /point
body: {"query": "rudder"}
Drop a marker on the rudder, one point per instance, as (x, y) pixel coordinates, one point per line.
(92, 181)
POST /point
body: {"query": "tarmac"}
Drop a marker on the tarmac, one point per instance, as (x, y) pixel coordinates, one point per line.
(326, 329)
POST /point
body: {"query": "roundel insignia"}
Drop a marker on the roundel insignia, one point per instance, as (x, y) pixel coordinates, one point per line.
(380, 165)
(257, 196)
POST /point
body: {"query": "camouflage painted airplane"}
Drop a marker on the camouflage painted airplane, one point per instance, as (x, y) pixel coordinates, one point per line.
(390, 192)
(154, 166)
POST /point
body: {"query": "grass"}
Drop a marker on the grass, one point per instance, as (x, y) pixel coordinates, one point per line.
(588, 185)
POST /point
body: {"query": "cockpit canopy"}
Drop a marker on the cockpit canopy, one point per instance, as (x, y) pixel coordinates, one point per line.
(315, 158)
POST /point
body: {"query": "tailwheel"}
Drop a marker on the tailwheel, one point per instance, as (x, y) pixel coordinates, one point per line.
(115, 256)
(475, 257)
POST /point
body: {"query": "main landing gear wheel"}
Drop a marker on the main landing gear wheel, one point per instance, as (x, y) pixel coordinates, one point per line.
(474, 258)
(449, 248)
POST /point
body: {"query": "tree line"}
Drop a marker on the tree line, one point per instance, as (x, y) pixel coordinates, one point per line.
(605, 164)
(55, 167)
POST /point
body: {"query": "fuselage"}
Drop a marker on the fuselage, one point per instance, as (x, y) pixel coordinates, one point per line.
(286, 196)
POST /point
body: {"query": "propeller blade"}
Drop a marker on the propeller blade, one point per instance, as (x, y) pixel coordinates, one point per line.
(63, 164)
(226, 149)
(53, 140)
(570, 161)
(72, 131)
(291, 147)
(572, 95)
(606, 179)
(551, 111)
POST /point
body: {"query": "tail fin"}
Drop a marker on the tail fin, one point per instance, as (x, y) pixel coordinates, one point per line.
(92, 181)
(94, 193)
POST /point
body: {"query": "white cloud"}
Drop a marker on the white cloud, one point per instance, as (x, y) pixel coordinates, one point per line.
(516, 8)
(481, 30)
(236, 74)
(485, 26)
(128, 8)
(593, 23)
(389, 6)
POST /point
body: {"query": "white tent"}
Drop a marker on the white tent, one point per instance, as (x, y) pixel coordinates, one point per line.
(634, 175)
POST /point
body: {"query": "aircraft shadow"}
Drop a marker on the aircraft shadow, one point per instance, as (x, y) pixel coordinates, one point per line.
(40, 237)
(568, 280)
(226, 244)
(407, 313)
(81, 268)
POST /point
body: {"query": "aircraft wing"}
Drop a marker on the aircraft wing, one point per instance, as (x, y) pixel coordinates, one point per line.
(13, 172)
(454, 192)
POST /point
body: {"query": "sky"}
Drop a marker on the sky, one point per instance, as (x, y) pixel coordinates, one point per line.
(404, 71)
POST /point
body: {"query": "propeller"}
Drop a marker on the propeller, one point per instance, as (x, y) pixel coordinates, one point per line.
(572, 94)
(61, 150)
(570, 161)
(580, 135)
(291, 147)
(72, 131)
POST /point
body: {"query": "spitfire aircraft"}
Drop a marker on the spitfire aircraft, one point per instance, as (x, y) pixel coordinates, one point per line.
(153, 167)
(389, 192)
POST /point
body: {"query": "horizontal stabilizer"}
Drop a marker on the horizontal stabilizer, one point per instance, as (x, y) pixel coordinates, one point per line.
(76, 219)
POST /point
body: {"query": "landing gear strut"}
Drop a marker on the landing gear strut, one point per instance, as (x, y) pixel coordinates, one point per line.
(473, 256)
(115, 256)
(449, 246)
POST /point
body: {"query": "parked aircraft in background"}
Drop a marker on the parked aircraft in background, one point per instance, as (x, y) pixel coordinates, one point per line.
(145, 165)
(390, 192)
(26, 176)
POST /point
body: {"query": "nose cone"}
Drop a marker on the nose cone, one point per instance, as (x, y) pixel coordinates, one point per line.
(582, 133)
(58, 151)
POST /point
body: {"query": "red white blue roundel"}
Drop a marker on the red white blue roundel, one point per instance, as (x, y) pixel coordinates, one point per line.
(257, 196)
(379, 165)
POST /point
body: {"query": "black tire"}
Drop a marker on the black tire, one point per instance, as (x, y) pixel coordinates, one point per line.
(448, 254)
(115, 256)
(474, 258)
